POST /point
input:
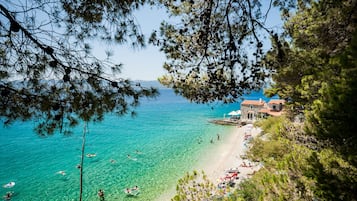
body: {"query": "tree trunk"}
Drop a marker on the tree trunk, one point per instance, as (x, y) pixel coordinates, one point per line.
(82, 159)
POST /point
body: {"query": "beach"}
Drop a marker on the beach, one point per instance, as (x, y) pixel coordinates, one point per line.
(224, 155)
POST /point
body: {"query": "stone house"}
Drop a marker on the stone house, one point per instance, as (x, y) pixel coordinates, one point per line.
(250, 109)
(273, 108)
(255, 109)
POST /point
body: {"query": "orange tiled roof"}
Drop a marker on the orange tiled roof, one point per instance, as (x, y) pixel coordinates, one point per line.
(253, 102)
(264, 110)
(271, 112)
(277, 101)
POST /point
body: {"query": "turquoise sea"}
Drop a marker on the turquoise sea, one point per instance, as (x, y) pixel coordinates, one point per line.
(165, 132)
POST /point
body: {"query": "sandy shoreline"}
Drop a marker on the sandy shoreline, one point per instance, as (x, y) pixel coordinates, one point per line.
(224, 156)
(227, 155)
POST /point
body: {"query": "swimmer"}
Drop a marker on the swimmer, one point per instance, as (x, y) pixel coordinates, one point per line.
(112, 161)
(199, 141)
(101, 194)
(7, 196)
(91, 155)
(129, 157)
(61, 172)
(9, 185)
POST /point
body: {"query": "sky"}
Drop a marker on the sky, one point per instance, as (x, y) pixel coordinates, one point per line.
(146, 64)
(139, 64)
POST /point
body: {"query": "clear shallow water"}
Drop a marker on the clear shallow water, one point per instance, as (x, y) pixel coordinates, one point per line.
(165, 131)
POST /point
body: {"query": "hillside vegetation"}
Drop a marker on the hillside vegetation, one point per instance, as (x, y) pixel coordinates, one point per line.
(316, 72)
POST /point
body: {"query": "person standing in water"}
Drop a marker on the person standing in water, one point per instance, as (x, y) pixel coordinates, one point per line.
(8, 196)
(101, 194)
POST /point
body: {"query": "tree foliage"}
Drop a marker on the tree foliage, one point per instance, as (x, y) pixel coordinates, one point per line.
(47, 70)
(195, 186)
(215, 51)
(307, 170)
(316, 69)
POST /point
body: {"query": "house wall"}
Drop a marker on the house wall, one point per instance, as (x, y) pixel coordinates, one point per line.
(250, 112)
(276, 107)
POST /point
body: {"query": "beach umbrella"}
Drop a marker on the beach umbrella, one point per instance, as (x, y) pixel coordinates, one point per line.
(235, 113)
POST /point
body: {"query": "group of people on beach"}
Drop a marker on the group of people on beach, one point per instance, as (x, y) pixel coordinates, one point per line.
(232, 175)
(244, 164)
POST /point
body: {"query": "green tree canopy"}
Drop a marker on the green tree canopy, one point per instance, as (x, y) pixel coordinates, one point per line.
(215, 50)
(317, 70)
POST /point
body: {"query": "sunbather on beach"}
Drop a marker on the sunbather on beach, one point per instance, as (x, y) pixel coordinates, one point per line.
(245, 165)
(250, 174)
